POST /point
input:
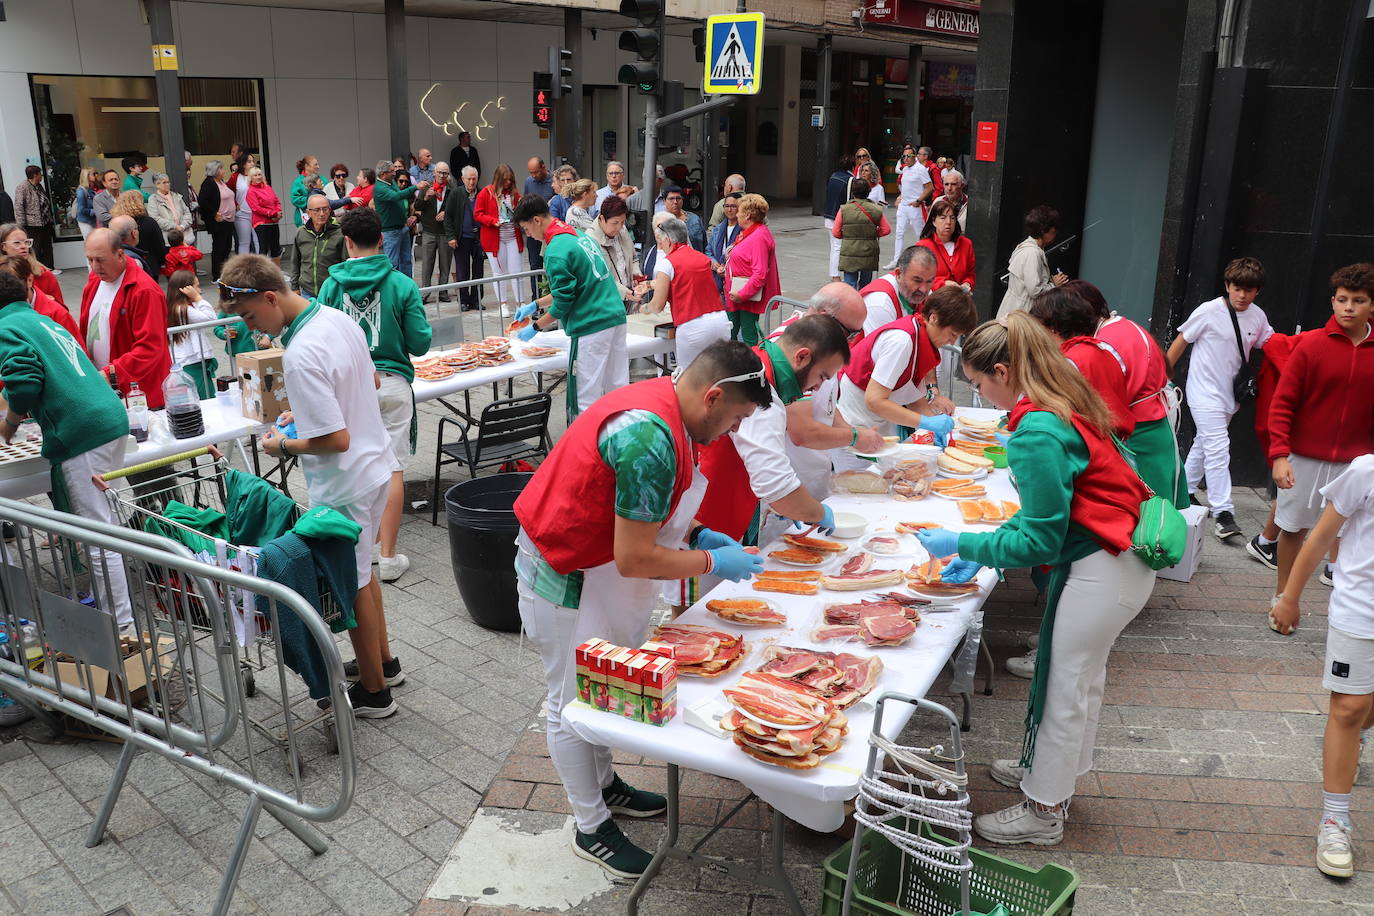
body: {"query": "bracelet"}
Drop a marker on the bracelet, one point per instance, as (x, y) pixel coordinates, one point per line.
(281, 446)
(710, 563)
(854, 439)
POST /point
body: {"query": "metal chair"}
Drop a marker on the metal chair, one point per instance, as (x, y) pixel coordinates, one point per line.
(507, 430)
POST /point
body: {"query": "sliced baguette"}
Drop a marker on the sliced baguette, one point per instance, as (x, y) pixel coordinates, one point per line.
(977, 461)
(954, 466)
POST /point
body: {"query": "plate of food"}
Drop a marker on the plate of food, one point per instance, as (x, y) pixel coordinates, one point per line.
(747, 612)
(800, 556)
(975, 474)
(890, 444)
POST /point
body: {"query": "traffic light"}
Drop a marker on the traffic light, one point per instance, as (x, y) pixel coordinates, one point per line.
(646, 42)
(675, 134)
(699, 43)
(541, 110)
(561, 84)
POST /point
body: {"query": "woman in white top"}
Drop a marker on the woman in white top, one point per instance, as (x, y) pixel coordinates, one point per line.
(191, 350)
(243, 217)
(338, 187)
(871, 174)
(582, 193)
(1028, 270)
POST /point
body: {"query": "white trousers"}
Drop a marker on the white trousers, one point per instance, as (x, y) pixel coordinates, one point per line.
(506, 261)
(834, 249)
(247, 238)
(555, 631)
(908, 218)
(88, 502)
(1211, 455)
(603, 365)
(698, 334)
(1102, 595)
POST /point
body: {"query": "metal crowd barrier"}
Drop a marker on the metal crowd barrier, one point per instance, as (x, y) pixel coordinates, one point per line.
(772, 309)
(161, 686)
(445, 325)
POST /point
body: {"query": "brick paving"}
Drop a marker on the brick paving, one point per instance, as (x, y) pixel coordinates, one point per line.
(1204, 797)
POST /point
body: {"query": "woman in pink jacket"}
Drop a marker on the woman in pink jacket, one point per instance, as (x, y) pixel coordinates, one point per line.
(752, 270)
(265, 207)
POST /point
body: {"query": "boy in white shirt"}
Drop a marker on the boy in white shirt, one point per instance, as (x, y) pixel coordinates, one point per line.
(344, 448)
(1211, 373)
(1349, 672)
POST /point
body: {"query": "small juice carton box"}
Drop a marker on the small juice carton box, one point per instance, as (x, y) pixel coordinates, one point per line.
(583, 665)
(615, 679)
(658, 680)
(599, 661)
(655, 647)
(633, 706)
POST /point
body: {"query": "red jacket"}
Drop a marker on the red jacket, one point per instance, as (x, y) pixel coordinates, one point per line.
(182, 257)
(1324, 405)
(44, 304)
(1104, 370)
(487, 211)
(958, 267)
(138, 332)
(263, 204)
(48, 284)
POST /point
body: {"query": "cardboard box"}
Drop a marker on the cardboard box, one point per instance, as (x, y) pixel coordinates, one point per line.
(1183, 571)
(632, 707)
(262, 382)
(583, 668)
(618, 679)
(135, 678)
(658, 680)
(598, 662)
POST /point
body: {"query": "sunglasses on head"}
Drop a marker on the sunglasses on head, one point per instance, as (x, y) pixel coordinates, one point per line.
(233, 292)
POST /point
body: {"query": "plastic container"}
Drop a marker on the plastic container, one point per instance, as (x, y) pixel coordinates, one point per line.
(481, 542)
(137, 405)
(997, 455)
(916, 889)
(183, 405)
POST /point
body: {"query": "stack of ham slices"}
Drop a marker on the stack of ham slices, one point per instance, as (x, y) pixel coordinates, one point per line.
(779, 722)
(858, 574)
(889, 620)
(841, 678)
(699, 651)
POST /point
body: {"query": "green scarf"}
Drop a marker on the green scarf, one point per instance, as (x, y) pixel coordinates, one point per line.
(1039, 687)
(570, 382)
(299, 322)
(784, 376)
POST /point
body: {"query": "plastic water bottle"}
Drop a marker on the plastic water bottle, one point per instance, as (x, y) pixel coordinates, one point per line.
(137, 404)
(183, 405)
(29, 643)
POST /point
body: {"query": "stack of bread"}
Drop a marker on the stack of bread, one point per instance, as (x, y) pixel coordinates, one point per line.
(957, 460)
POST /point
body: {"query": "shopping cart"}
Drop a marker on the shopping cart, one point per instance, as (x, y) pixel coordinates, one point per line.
(898, 864)
(139, 496)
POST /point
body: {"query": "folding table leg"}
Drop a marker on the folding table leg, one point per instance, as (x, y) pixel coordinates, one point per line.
(664, 848)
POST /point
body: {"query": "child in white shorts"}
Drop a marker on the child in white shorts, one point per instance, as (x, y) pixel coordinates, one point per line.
(1349, 672)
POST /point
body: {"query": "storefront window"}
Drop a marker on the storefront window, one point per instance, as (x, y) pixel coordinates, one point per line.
(95, 121)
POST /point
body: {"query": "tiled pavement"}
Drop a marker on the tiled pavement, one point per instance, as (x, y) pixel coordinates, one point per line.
(1203, 800)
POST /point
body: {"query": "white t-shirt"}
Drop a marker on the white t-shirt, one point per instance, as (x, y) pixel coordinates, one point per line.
(761, 441)
(813, 465)
(1215, 360)
(98, 321)
(881, 311)
(664, 266)
(1352, 600)
(892, 353)
(330, 384)
(878, 195)
(196, 346)
(912, 183)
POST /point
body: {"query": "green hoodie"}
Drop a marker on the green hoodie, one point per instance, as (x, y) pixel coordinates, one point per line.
(300, 198)
(48, 375)
(392, 204)
(585, 297)
(386, 305)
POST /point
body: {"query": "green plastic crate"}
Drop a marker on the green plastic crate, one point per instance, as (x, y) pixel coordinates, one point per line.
(887, 883)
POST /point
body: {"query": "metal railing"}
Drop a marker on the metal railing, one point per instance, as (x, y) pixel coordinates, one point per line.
(481, 313)
(771, 309)
(157, 683)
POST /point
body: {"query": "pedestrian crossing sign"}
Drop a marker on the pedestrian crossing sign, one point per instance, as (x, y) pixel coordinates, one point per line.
(734, 54)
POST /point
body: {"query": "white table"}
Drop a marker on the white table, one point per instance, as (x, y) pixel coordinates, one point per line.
(814, 797)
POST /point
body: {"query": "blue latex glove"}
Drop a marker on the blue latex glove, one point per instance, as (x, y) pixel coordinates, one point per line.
(708, 539)
(288, 430)
(941, 424)
(1002, 438)
(526, 311)
(960, 571)
(938, 542)
(527, 332)
(827, 523)
(731, 562)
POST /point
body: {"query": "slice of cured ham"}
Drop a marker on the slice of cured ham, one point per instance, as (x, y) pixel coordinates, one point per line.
(891, 629)
(777, 701)
(859, 563)
(884, 545)
(874, 578)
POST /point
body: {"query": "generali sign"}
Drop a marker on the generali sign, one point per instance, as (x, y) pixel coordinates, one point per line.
(945, 18)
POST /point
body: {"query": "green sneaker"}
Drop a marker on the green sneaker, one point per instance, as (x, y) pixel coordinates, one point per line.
(612, 850)
(623, 798)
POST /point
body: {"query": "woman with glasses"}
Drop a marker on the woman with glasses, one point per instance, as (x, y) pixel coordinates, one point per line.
(217, 206)
(952, 249)
(42, 303)
(751, 271)
(1080, 503)
(338, 187)
(861, 158)
(15, 241)
(723, 238)
(501, 239)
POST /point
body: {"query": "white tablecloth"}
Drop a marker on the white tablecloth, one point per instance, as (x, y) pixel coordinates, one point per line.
(813, 797)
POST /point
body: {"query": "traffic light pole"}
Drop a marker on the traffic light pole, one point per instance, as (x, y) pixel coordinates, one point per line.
(572, 40)
(653, 120)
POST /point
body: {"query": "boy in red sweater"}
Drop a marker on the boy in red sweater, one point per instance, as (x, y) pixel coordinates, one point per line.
(1322, 415)
(180, 256)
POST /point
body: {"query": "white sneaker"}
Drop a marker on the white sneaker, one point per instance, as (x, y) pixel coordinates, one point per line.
(1019, 824)
(1008, 772)
(1335, 857)
(392, 568)
(1022, 665)
(1033, 641)
(376, 554)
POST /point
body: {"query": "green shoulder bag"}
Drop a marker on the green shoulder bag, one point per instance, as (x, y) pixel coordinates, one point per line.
(1161, 536)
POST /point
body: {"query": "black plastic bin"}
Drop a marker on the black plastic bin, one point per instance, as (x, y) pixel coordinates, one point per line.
(481, 545)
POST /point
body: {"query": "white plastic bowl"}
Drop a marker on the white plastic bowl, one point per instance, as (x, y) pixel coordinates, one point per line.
(849, 525)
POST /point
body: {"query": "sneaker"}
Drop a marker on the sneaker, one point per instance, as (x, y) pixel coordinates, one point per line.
(1022, 665)
(1326, 578)
(392, 568)
(392, 675)
(612, 850)
(369, 705)
(1193, 500)
(1335, 856)
(1033, 641)
(1226, 526)
(11, 713)
(623, 798)
(1020, 823)
(1008, 772)
(1268, 554)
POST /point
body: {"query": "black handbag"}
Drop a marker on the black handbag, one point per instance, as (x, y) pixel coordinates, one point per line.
(1245, 386)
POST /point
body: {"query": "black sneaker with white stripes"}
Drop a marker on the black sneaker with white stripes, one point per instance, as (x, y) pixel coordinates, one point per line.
(623, 798)
(392, 675)
(612, 850)
(1226, 526)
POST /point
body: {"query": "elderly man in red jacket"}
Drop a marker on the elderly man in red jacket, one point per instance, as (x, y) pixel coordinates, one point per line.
(124, 319)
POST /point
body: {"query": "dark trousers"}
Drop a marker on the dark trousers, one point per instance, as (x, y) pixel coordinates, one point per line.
(468, 262)
(221, 241)
(535, 249)
(42, 243)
